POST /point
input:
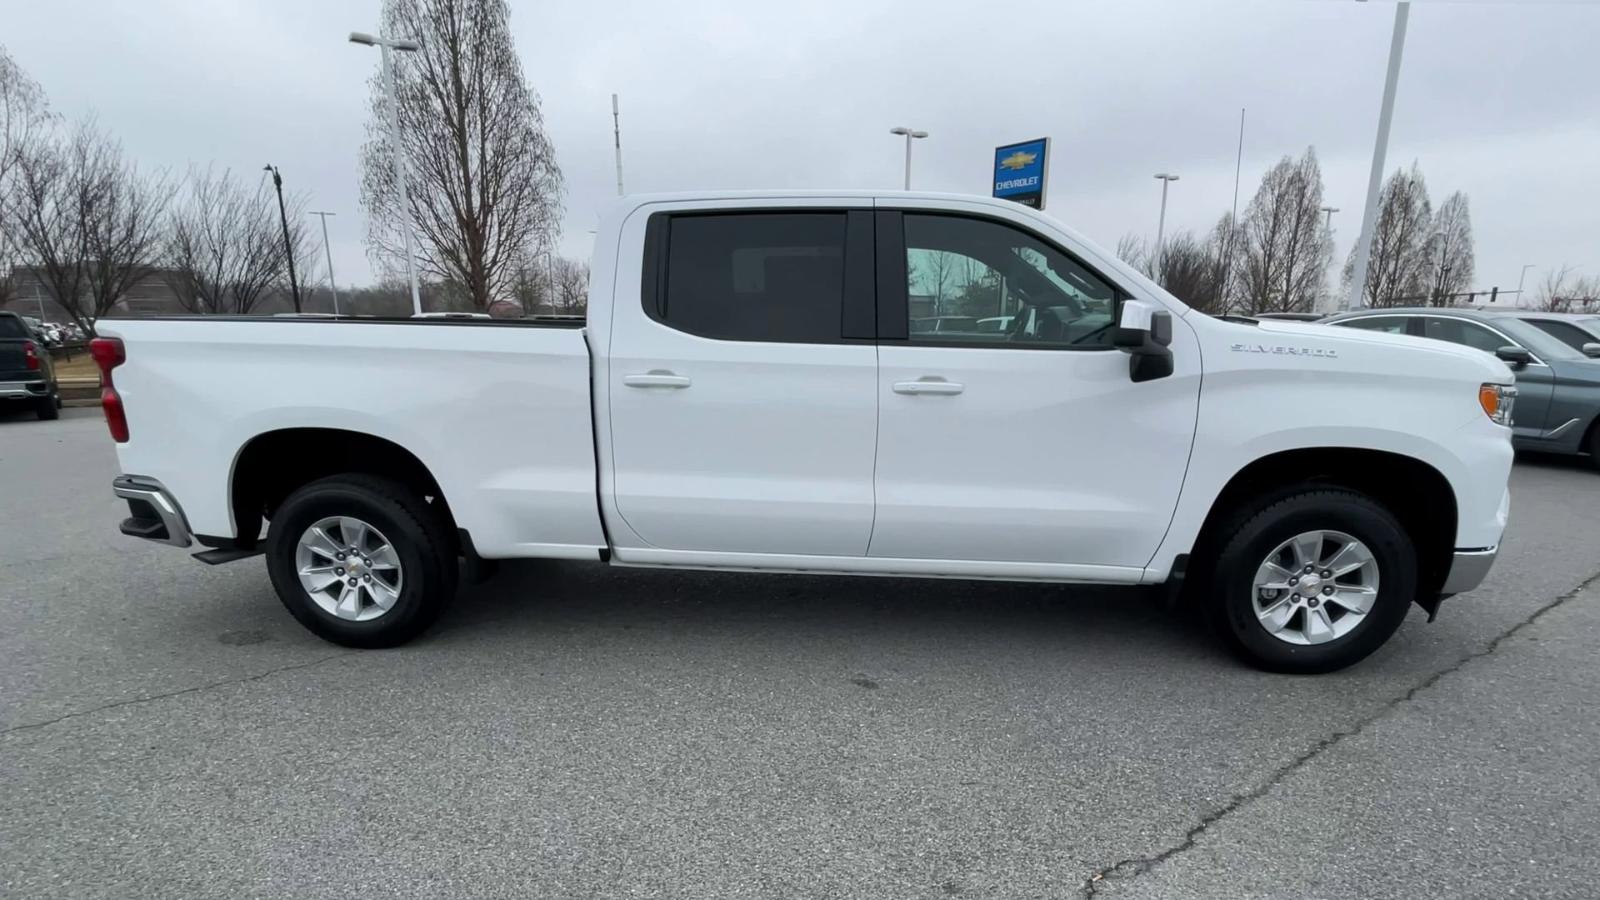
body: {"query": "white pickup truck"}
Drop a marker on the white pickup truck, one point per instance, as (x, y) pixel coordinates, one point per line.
(854, 383)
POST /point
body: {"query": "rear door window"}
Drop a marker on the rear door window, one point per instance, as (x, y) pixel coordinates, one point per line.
(1565, 332)
(777, 277)
(1460, 331)
(1390, 324)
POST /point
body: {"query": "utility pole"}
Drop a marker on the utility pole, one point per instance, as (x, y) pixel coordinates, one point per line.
(288, 247)
(327, 253)
(616, 137)
(1369, 215)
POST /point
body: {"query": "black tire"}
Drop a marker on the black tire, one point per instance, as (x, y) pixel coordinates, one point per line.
(1252, 534)
(47, 408)
(418, 533)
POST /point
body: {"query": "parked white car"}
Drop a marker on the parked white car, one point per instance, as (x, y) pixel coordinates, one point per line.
(747, 394)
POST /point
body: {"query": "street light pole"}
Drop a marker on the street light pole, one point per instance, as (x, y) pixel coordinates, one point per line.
(1369, 215)
(1520, 279)
(1327, 222)
(1161, 224)
(395, 148)
(288, 247)
(909, 135)
(327, 253)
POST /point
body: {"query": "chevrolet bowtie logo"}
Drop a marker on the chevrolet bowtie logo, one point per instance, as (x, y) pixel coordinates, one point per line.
(1018, 160)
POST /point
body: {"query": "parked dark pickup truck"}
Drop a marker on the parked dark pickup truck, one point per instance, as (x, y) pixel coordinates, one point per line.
(26, 375)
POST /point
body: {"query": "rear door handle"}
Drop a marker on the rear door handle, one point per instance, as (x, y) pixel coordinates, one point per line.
(928, 386)
(656, 380)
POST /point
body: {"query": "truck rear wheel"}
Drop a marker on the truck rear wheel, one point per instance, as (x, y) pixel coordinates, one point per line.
(1311, 581)
(361, 561)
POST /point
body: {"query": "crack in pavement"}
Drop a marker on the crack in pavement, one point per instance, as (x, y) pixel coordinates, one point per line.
(196, 689)
(1133, 867)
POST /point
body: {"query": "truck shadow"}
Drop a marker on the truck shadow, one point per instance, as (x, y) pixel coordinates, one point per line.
(530, 598)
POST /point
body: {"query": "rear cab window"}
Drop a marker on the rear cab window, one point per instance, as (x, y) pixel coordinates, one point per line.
(753, 276)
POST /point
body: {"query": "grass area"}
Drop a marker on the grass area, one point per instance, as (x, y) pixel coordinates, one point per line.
(80, 366)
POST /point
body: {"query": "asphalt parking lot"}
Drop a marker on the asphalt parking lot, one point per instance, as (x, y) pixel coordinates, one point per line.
(166, 729)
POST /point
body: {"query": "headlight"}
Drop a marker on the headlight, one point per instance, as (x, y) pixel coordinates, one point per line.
(1497, 400)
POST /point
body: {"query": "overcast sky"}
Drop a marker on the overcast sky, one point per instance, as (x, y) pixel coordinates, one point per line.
(1498, 99)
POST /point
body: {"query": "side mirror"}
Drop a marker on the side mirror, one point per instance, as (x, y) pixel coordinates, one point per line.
(1145, 333)
(1592, 350)
(1513, 356)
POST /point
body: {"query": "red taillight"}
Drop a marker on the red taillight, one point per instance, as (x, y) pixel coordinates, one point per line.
(31, 354)
(116, 419)
(108, 353)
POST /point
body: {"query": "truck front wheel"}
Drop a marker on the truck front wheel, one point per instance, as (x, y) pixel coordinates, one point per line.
(1311, 581)
(360, 560)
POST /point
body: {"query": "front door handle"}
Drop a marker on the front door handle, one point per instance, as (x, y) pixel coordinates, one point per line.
(656, 379)
(928, 386)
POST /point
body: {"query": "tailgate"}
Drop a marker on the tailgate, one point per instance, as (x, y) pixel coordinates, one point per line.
(14, 362)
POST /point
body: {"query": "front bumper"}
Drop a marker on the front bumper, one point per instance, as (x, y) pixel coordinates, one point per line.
(154, 513)
(1468, 569)
(24, 390)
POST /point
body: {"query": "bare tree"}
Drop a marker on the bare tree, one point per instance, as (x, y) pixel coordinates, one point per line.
(1189, 271)
(933, 274)
(224, 249)
(1397, 267)
(485, 188)
(389, 297)
(1193, 269)
(1132, 249)
(88, 219)
(1557, 291)
(1284, 251)
(1448, 254)
(531, 290)
(24, 119)
(572, 286)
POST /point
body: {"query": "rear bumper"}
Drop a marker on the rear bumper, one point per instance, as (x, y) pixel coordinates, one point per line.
(1468, 569)
(24, 390)
(154, 513)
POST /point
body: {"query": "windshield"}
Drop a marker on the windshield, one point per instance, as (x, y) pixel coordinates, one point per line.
(1530, 336)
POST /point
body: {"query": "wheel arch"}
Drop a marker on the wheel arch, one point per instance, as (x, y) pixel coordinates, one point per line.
(1418, 494)
(273, 464)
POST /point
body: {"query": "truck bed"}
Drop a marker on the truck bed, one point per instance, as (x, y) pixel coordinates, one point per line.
(498, 411)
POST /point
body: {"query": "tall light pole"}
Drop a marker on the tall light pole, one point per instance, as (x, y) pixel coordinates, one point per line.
(909, 135)
(327, 253)
(288, 247)
(1161, 224)
(616, 137)
(395, 149)
(1520, 279)
(1369, 215)
(1327, 222)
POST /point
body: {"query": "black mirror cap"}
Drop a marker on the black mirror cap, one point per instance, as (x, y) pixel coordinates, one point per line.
(1128, 338)
(1161, 328)
(1514, 356)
